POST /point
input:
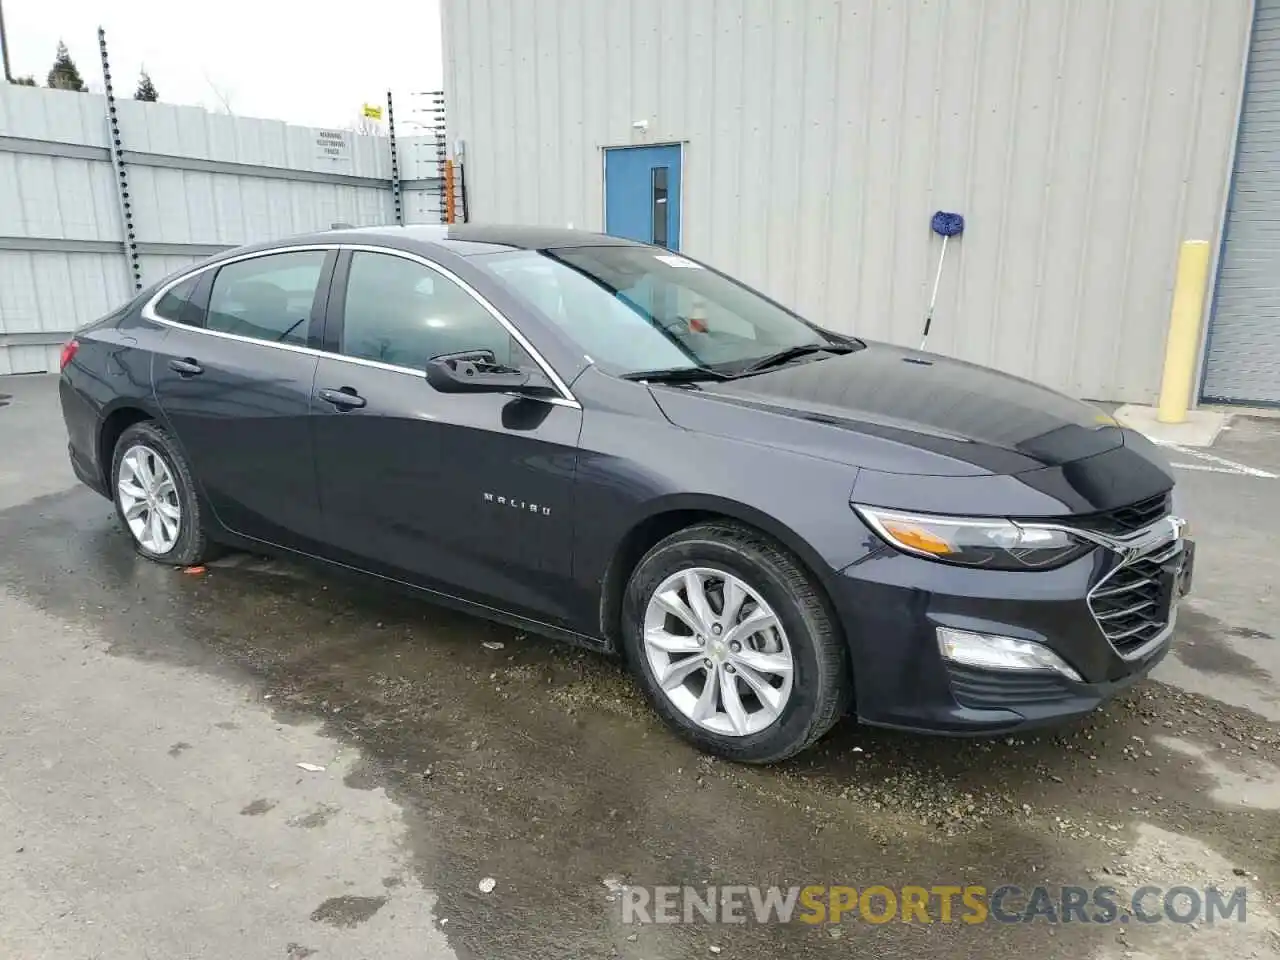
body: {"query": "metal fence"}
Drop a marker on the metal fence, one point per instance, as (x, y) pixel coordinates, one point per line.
(196, 183)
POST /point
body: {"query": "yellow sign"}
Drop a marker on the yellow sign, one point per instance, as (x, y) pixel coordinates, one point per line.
(373, 113)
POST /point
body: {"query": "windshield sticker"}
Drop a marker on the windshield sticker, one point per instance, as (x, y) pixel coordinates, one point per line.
(671, 260)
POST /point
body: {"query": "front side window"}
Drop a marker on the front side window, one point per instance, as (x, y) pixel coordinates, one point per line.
(267, 298)
(400, 312)
(175, 305)
(634, 308)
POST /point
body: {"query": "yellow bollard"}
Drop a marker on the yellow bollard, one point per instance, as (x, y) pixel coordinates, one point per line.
(1184, 331)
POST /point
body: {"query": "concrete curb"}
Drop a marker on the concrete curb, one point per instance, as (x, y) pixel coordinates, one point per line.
(1200, 428)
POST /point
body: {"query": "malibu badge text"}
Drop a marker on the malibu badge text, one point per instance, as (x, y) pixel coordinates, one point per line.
(517, 504)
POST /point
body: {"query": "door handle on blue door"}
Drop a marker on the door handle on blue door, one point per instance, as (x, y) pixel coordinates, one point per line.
(344, 398)
(189, 367)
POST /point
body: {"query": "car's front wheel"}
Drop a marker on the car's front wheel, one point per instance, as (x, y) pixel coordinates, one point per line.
(734, 644)
(155, 496)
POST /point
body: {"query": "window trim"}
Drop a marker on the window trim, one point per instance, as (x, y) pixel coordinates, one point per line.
(566, 397)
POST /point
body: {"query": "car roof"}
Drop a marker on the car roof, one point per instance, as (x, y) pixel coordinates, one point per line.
(466, 239)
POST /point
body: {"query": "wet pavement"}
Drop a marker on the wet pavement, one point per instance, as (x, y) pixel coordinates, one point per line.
(151, 723)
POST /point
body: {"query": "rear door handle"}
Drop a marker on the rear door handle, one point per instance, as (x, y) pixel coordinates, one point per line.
(187, 368)
(344, 399)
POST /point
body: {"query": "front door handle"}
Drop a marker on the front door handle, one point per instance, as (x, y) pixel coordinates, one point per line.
(189, 367)
(345, 398)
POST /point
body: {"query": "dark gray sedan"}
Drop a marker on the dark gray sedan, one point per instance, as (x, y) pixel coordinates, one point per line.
(616, 445)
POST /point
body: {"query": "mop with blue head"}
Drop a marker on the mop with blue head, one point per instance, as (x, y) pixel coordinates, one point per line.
(945, 225)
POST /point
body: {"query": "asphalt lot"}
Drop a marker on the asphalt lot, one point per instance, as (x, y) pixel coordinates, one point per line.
(151, 723)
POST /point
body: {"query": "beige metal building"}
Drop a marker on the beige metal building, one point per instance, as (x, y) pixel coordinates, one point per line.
(804, 145)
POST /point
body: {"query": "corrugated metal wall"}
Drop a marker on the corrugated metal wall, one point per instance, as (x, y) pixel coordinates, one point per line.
(1242, 361)
(1081, 139)
(198, 182)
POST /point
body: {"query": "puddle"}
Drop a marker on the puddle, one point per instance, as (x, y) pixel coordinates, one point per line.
(1206, 643)
(1250, 782)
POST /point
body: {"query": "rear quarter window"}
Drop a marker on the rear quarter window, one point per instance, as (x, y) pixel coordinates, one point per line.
(176, 305)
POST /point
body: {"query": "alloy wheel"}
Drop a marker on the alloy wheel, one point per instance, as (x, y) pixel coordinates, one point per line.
(149, 499)
(718, 651)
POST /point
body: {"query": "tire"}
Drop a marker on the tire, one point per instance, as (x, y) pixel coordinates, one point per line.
(190, 546)
(820, 687)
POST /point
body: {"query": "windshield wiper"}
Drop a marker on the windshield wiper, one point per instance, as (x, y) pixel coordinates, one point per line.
(792, 353)
(678, 375)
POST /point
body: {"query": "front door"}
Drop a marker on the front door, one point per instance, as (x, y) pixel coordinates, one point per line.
(470, 494)
(642, 194)
(236, 388)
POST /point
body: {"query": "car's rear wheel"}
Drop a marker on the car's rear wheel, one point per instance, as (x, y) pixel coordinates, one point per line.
(155, 496)
(734, 644)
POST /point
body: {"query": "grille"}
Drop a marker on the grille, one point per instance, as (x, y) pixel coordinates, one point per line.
(992, 689)
(1132, 604)
(1124, 520)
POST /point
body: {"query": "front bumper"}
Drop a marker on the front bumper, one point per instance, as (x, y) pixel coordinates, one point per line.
(892, 604)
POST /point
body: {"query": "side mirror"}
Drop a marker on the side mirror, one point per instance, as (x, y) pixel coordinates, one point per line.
(474, 372)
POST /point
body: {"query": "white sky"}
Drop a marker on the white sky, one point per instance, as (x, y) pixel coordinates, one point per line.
(312, 63)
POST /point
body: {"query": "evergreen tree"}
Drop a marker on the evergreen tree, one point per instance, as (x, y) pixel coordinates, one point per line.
(146, 89)
(64, 75)
(25, 81)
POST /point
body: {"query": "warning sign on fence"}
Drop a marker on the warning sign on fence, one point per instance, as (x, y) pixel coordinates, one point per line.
(333, 145)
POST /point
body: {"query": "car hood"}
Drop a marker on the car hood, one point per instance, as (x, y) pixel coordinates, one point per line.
(898, 411)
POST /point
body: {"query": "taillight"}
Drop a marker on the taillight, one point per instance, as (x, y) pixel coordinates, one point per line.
(68, 352)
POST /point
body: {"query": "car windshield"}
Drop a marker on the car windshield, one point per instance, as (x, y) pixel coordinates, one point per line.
(634, 309)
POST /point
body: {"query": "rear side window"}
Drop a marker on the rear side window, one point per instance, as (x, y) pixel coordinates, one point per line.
(175, 305)
(267, 298)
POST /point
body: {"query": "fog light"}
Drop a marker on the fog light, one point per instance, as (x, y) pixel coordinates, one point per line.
(988, 652)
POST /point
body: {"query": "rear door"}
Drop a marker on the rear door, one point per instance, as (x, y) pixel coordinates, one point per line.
(234, 379)
(471, 494)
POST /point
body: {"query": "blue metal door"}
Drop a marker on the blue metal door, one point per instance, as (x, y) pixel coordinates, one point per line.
(642, 194)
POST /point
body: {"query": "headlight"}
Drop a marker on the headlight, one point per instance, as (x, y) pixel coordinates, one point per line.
(995, 544)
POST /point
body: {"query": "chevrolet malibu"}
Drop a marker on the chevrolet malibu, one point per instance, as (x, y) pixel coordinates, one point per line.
(615, 445)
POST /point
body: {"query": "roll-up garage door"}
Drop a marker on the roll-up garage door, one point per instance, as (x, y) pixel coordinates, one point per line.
(1243, 357)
